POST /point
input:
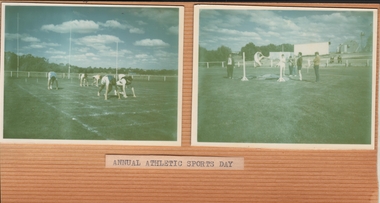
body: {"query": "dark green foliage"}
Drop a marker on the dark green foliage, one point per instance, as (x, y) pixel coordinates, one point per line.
(40, 64)
(222, 52)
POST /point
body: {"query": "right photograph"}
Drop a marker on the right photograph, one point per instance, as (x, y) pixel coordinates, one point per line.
(284, 77)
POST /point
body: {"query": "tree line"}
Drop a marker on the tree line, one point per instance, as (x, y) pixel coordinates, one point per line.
(32, 63)
(221, 53)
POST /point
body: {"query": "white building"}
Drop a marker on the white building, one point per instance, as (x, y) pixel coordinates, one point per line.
(311, 48)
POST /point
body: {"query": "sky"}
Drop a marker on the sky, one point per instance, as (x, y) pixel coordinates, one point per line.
(101, 36)
(237, 27)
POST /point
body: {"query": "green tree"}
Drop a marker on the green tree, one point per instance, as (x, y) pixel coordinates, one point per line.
(249, 49)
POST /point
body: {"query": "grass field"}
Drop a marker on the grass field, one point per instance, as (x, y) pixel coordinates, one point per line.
(77, 113)
(336, 110)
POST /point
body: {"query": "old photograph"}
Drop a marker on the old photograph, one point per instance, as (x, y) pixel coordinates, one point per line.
(109, 74)
(284, 77)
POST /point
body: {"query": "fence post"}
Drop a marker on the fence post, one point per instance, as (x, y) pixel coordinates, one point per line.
(28, 74)
(164, 78)
(11, 73)
(222, 64)
(207, 65)
(148, 77)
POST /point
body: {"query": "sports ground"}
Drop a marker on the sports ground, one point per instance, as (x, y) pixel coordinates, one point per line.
(335, 110)
(31, 111)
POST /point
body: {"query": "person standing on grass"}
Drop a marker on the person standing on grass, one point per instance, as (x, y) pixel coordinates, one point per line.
(299, 64)
(52, 77)
(316, 62)
(230, 66)
(107, 81)
(291, 65)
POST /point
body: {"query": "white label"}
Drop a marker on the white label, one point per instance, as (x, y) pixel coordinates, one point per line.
(174, 162)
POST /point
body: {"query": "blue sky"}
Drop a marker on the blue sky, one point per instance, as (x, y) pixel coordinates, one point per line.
(237, 27)
(141, 37)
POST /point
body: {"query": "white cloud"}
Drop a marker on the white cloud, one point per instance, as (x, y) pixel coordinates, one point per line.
(11, 36)
(30, 39)
(151, 42)
(173, 30)
(141, 56)
(136, 31)
(76, 26)
(140, 22)
(105, 45)
(55, 52)
(113, 24)
(36, 46)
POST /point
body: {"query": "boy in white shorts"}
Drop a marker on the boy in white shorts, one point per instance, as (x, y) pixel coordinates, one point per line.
(108, 81)
(96, 80)
(52, 77)
(123, 83)
(83, 80)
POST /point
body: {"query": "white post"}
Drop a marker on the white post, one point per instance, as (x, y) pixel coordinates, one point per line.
(11, 73)
(148, 77)
(28, 74)
(164, 78)
(18, 54)
(222, 64)
(68, 75)
(346, 63)
(117, 50)
(207, 65)
(244, 77)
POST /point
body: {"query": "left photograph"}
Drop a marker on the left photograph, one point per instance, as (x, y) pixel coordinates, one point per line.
(99, 74)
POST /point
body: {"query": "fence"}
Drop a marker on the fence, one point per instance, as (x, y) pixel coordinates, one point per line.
(25, 74)
(306, 61)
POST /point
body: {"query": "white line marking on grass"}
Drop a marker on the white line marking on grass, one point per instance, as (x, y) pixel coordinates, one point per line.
(125, 113)
(89, 128)
(129, 125)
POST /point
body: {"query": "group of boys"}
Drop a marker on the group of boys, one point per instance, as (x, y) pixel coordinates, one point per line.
(298, 62)
(107, 81)
(293, 63)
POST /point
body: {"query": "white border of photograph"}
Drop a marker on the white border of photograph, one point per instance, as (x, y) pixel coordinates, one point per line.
(98, 142)
(194, 126)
